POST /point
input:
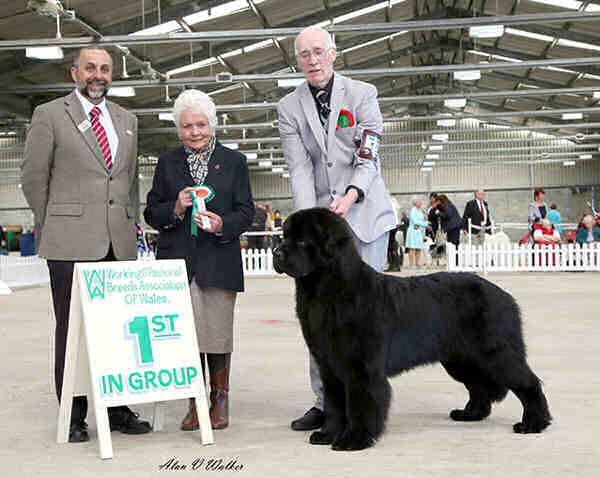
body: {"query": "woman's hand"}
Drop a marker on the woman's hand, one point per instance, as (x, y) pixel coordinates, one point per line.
(216, 223)
(183, 201)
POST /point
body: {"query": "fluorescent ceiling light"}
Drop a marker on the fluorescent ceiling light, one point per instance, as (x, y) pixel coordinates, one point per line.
(193, 66)
(122, 91)
(432, 156)
(166, 117)
(259, 45)
(231, 145)
(265, 164)
(361, 12)
(572, 116)
(436, 147)
(486, 31)
(568, 163)
(228, 8)
(439, 137)
(446, 122)
(535, 36)
(467, 75)
(290, 82)
(578, 44)
(277, 169)
(455, 103)
(428, 163)
(596, 94)
(585, 156)
(163, 28)
(285, 175)
(44, 52)
(571, 4)
(251, 155)
(426, 169)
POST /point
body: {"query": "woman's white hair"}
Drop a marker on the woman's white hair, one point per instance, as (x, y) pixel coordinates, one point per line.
(414, 199)
(198, 102)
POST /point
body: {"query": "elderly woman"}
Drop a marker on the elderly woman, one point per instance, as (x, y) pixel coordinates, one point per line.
(210, 248)
(414, 234)
(589, 233)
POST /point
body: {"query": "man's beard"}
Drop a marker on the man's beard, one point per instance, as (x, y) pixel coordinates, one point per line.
(94, 94)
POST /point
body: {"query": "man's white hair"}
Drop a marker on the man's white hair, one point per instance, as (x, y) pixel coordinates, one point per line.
(198, 102)
(315, 28)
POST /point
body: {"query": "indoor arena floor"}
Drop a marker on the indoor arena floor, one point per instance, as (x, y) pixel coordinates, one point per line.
(269, 387)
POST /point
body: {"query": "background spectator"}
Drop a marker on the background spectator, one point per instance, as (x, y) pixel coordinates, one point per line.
(538, 208)
(590, 232)
(478, 212)
(450, 219)
(414, 234)
(554, 216)
(259, 224)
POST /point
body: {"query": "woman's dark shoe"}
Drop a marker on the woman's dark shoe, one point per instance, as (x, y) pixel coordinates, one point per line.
(311, 420)
(78, 432)
(126, 421)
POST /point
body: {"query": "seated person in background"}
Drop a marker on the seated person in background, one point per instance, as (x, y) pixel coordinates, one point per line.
(588, 231)
(544, 232)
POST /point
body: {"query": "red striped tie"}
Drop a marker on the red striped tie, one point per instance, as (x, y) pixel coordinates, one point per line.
(101, 136)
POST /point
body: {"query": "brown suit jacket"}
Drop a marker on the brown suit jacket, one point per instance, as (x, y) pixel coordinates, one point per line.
(80, 207)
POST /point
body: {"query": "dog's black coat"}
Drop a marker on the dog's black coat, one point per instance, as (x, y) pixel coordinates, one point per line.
(363, 326)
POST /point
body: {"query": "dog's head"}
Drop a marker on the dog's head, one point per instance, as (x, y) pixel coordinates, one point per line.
(312, 239)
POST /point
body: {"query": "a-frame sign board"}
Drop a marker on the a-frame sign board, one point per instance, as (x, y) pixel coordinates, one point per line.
(131, 339)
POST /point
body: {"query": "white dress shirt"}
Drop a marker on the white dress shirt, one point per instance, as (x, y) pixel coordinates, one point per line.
(105, 121)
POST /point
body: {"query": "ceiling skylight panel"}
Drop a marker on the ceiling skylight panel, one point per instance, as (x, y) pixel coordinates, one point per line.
(235, 6)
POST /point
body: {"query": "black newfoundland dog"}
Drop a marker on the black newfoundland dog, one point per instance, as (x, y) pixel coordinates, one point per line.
(362, 327)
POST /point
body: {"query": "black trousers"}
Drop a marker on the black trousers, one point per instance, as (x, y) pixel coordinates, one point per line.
(61, 280)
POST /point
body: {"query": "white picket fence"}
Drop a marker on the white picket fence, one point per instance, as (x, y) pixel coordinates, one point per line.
(16, 271)
(515, 257)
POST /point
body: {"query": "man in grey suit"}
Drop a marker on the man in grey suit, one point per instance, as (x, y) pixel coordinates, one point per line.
(80, 179)
(330, 128)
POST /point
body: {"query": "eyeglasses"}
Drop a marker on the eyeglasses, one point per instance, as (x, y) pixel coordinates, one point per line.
(317, 53)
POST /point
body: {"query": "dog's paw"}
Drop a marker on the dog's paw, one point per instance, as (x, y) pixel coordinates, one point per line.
(523, 427)
(321, 438)
(349, 441)
(469, 415)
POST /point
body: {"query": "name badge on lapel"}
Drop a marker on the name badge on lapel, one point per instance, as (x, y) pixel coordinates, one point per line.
(84, 126)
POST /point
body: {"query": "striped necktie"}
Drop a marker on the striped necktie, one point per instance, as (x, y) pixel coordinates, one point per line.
(101, 137)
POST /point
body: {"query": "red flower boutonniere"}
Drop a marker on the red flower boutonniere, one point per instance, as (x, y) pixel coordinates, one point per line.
(345, 120)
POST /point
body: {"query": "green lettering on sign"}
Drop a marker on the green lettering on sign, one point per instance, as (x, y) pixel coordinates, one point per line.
(139, 327)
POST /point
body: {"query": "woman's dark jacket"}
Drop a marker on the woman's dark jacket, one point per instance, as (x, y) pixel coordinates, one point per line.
(215, 261)
(449, 217)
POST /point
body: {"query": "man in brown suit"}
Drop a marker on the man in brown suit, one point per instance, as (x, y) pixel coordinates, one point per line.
(80, 179)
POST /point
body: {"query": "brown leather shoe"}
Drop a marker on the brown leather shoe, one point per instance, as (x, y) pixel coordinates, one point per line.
(190, 421)
(219, 367)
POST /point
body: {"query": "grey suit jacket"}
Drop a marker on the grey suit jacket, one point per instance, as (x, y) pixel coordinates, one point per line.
(322, 166)
(79, 207)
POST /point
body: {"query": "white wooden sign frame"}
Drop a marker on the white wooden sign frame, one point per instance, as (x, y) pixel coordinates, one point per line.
(83, 369)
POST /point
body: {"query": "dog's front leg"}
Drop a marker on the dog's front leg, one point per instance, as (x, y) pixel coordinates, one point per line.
(368, 398)
(334, 404)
